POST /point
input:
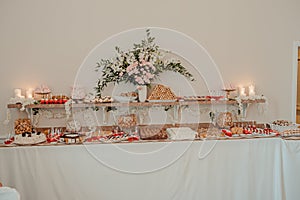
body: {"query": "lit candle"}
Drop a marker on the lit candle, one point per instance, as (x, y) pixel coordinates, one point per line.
(242, 91)
(18, 92)
(29, 93)
(251, 90)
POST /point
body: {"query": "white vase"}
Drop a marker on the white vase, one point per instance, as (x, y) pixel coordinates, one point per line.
(142, 90)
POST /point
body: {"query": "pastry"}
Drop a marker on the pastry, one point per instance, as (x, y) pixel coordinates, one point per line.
(161, 92)
(282, 123)
(152, 134)
(202, 133)
(22, 126)
(224, 119)
(236, 130)
(127, 121)
(129, 94)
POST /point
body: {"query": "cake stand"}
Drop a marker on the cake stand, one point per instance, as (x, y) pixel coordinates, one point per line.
(228, 92)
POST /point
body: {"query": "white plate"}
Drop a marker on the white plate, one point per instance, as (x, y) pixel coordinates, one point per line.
(246, 135)
(264, 135)
(28, 144)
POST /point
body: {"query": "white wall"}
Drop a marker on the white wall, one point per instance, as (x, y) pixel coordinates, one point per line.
(250, 40)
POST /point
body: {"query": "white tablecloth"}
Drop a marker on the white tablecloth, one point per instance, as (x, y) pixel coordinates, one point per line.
(7, 193)
(266, 169)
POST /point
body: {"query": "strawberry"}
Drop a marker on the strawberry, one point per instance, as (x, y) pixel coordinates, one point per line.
(227, 132)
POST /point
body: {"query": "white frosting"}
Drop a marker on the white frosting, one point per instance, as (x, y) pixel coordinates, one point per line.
(34, 139)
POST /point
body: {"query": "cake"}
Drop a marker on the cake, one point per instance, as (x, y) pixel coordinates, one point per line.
(71, 138)
(28, 138)
(161, 92)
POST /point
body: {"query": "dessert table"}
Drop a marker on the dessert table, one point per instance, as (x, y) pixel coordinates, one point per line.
(211, 169)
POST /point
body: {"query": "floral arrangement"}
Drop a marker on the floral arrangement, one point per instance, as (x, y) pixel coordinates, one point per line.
(139, 66)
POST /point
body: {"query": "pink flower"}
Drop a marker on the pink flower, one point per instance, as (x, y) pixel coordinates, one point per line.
(150, 65)
(149, 76)
(147, 80)
(138, 79)
(143, 62)
(132, 66)
(121, 74)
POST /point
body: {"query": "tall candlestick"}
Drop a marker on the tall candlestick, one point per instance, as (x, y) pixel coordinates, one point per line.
(29, 93)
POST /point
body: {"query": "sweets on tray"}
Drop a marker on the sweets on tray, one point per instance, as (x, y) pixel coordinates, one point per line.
(129, 94)
(194, 98)
(113, 137)
(161, 92)
(155, 133)
(22, 126)
(104, 99)
(201, 133)
(127, 121)
(282, 123)
(293, 132)
(56, 99)
(237, 130)
(224, 119)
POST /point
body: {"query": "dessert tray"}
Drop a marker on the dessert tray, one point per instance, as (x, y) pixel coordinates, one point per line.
(161, 100)
(194, 98)
(282, 125)
(113, 138)
(215, 97)
(248, 132)
(105, 99)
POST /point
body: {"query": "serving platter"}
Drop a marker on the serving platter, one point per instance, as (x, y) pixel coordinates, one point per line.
(161, 100)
